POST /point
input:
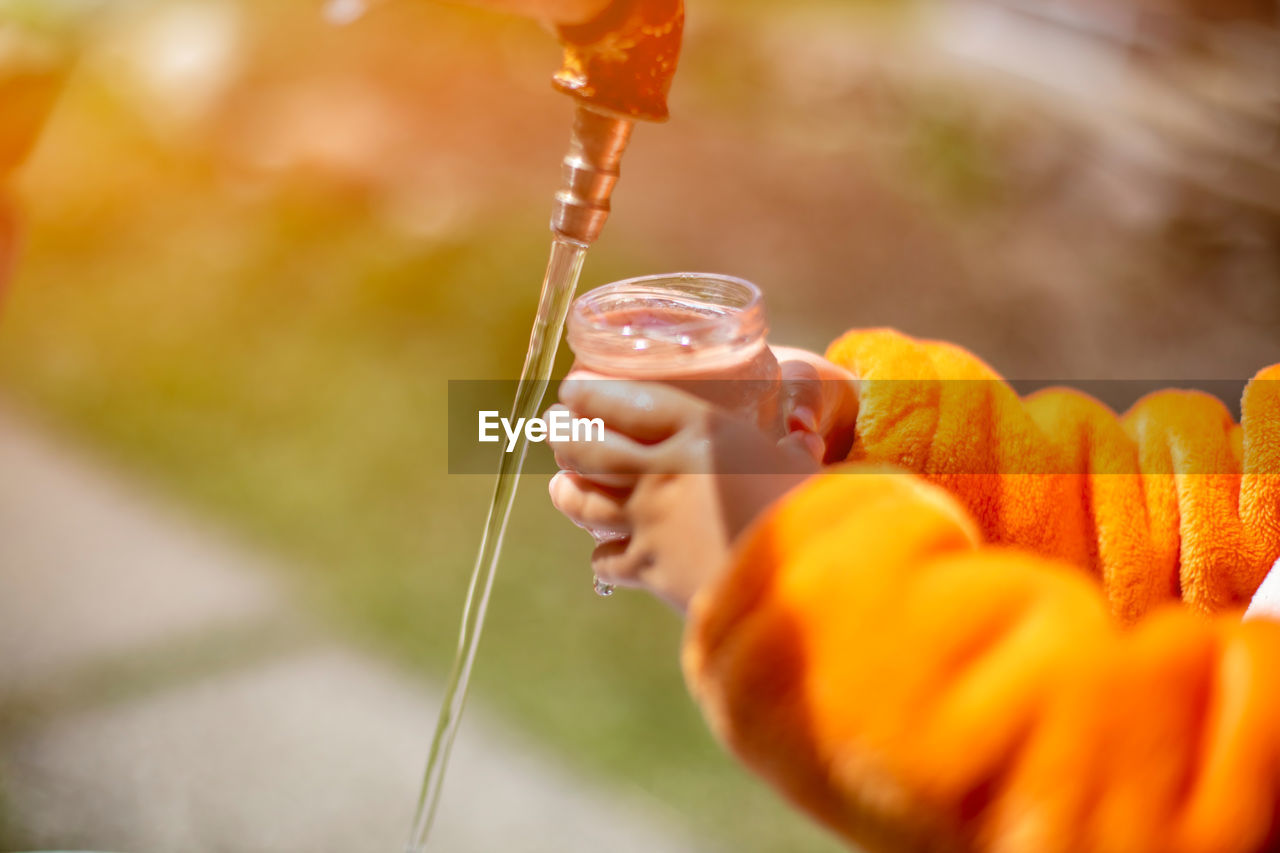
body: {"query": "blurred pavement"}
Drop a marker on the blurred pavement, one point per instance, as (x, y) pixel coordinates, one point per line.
(159, 692)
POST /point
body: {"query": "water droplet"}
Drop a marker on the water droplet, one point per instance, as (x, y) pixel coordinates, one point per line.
(343, 12)
(604, 590)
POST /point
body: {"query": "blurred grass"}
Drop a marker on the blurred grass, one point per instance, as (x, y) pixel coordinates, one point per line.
(278, 359)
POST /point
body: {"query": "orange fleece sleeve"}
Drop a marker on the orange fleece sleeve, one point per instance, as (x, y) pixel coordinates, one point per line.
(990, 656)
(915, 689)
(1172, 501)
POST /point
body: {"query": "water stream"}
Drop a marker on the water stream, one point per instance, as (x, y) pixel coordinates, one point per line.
(558, 286)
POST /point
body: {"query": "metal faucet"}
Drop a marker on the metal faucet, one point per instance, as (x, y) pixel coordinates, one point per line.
(619, 69)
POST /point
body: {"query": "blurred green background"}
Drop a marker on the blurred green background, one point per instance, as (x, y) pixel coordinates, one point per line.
(252, 265)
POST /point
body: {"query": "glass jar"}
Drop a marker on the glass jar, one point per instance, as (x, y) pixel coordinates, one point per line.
(702, 332)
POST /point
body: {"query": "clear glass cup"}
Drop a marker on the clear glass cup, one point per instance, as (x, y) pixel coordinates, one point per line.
(702, 332)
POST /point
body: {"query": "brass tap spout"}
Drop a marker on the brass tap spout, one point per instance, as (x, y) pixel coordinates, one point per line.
(618, 68)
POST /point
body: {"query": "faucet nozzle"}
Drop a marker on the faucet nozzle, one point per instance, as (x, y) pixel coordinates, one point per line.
(588, 174)
(618, 68)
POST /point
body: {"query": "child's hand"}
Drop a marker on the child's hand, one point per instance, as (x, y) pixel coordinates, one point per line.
(819, 400)
(671, 485)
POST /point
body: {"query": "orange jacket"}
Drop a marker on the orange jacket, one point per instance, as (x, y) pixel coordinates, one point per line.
(1036, 645)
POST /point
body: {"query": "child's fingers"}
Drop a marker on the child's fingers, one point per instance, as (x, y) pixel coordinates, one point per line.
(807, 443)
(801, 396)
(818, 398)
(589, 505)
(609, 455)
(606, 457)
(613, 480)
(617, 563)
(645, 411)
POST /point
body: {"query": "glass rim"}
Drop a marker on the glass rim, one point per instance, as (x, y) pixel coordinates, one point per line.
(586, 315)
